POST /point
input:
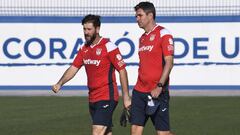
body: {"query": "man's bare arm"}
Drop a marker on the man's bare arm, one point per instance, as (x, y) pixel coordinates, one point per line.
(68, 75)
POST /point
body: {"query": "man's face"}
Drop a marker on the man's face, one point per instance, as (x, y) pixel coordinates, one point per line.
(90, 32)
(142, 18)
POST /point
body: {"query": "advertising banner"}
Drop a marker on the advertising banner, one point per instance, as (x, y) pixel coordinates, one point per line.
(36, 54)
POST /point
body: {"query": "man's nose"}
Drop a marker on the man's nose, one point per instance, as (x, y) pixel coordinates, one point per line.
(86, 32)
(137, 18)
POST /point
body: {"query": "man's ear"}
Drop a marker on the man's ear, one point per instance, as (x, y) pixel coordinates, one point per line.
(150, 15)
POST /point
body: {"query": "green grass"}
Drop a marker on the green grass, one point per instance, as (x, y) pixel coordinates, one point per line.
(69, 116)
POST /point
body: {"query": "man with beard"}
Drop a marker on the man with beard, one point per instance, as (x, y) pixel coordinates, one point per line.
(101, 58)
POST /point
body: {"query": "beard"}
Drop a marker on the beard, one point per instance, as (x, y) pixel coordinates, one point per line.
(92, 38)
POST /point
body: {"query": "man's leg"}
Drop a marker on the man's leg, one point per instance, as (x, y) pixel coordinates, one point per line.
(102, 117)
(164, 133)
(138, 114)
(98, 129)
(161, 118)
(136, 130)
(101, 130)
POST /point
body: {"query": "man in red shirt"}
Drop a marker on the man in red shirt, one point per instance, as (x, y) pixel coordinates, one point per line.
(100, 58)
(156, 61)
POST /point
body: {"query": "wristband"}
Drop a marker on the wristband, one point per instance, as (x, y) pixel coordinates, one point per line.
(160, 85)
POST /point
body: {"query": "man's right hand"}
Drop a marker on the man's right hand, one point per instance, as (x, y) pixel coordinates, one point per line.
(127, 102)
(56, 88)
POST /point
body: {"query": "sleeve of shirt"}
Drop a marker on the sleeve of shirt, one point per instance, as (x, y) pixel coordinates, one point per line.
(115, 56)
(78, 60)
(167, 42)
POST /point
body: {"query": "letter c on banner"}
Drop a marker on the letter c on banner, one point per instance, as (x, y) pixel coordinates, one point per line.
(5, 48)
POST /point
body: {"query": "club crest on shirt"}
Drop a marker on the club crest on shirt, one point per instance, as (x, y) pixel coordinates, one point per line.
(152, 37)
(98, 51)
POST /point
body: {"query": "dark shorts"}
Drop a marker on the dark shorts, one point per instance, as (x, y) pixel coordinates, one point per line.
(160, 118)
(102, 112)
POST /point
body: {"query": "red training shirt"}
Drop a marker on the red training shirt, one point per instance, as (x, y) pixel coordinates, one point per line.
(153, 46)
(100, 61)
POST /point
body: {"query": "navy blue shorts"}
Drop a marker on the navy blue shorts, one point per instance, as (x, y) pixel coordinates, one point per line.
(102, 112)
(160, 118)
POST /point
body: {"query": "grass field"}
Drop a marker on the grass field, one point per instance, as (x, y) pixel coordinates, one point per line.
(69, 116)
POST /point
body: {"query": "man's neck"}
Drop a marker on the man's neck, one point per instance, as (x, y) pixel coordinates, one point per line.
(150, 27)
(97, 39)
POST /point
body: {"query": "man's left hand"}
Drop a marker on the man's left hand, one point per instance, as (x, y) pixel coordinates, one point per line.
(156, 92)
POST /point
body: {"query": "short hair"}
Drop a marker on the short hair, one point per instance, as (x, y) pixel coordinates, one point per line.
(95, 19)
(147, 7)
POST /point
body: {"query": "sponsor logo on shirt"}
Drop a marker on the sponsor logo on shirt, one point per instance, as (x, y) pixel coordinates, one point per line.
(121, 63)
(91, 62)
(146, 48)
(119, 57)
(120, 60)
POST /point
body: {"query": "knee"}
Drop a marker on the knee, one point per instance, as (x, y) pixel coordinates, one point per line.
(165, 133)
(98, 130)
(136, 130)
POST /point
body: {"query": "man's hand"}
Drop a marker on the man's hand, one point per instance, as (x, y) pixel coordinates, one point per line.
(125, 116)
(156, 92)
(56, 88)
(127, 102)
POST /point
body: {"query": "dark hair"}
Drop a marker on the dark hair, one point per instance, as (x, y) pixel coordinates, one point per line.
(95, 19)
(147, 7)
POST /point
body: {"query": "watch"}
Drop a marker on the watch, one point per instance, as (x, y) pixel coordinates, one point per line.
(159, 84)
